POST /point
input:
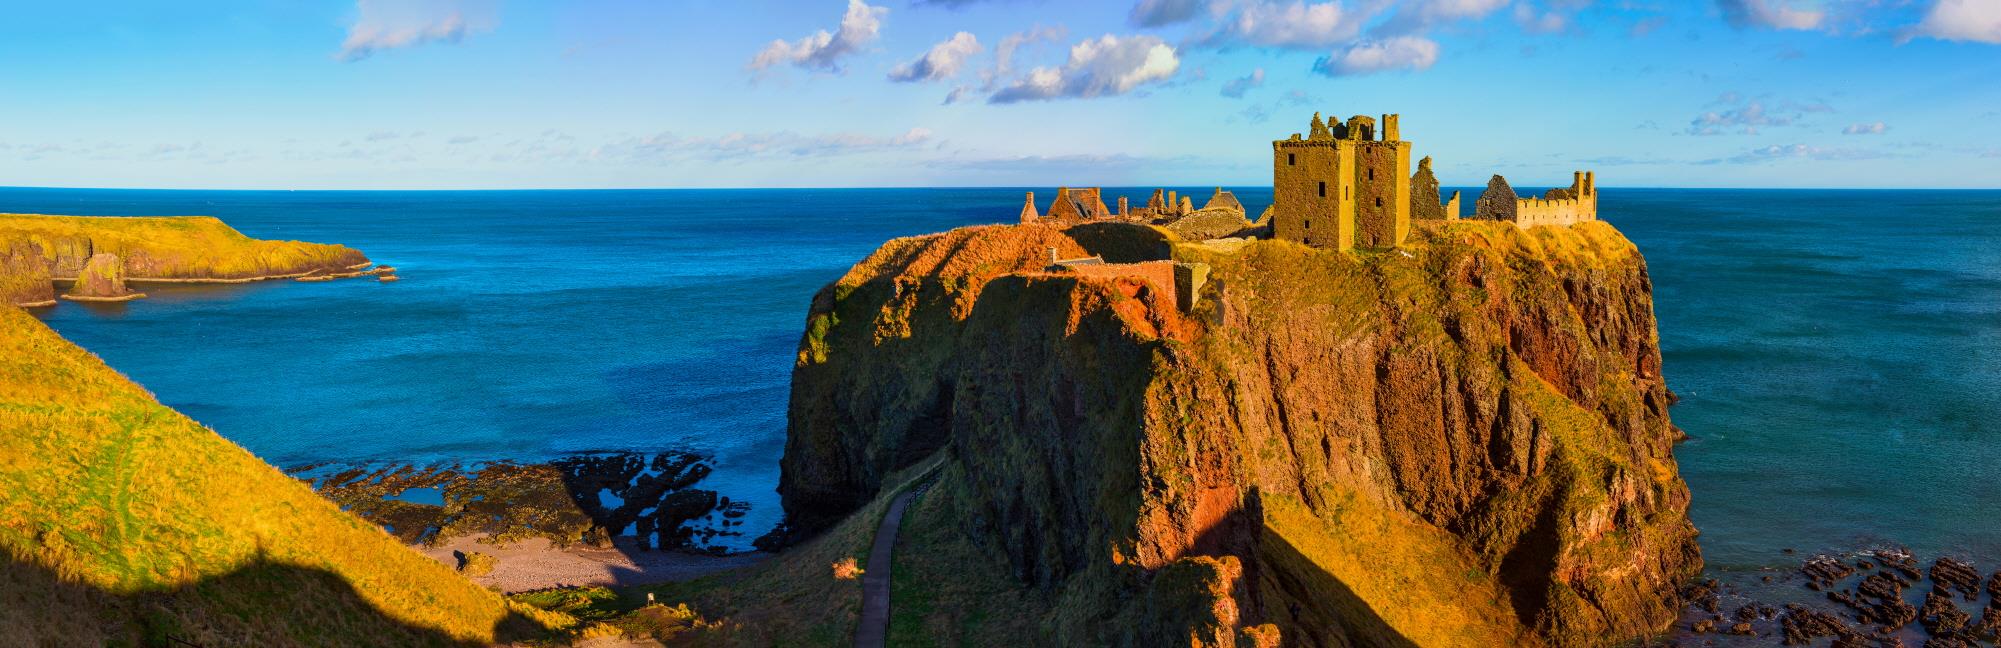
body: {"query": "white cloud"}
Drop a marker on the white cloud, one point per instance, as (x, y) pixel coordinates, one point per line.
(823, 51)
(1370, 57)
(1236, 88)
(942, 62)
(1105, 66)
(1295, 25)
(1962, 20)
(1773, 14)
(1871, 128)
(390, 24)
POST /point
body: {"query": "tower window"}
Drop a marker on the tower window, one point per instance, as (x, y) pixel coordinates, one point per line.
(1372, 173)
(1291, 159)
(1379, 202)
(1309, 224)
(1323, 190)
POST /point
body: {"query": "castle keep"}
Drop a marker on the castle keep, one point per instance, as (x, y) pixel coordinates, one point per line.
(1341, 186)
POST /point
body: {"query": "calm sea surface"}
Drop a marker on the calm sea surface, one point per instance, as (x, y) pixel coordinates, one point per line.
(1838, 354)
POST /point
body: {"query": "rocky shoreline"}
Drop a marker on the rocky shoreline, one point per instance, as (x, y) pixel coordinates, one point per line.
(585, 500)
(1885, 596)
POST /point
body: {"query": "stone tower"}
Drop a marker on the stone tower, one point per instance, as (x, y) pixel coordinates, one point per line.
(1342, 186)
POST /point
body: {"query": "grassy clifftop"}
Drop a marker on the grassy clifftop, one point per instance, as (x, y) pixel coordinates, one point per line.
(125, 523)
(177, 247)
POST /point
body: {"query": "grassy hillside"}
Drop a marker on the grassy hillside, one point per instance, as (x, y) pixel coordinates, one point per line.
(125, 523)
(179, 247)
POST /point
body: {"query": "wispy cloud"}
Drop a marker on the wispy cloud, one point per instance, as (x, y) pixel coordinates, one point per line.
(823, 51)
(743, 146)
(1160, 13)
(1749, 117)
(1771, 14)
(941, 62)
(392, 24)
(1778, 152)
(1870, 128)
(1102, 67)
(1236, 88)
(1370, 57)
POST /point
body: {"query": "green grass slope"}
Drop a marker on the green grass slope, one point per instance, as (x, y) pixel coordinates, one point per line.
(124, 522)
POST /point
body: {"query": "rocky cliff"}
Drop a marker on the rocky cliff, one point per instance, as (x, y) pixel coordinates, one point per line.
(1461, 442)
(181, 247)
(24, 275)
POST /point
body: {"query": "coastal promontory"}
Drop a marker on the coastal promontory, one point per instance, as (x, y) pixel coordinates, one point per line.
(1461, 440)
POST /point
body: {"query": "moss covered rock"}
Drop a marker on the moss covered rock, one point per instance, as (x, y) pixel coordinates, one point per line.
(1461, 442)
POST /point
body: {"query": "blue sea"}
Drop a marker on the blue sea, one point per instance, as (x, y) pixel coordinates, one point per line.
(1838, 353)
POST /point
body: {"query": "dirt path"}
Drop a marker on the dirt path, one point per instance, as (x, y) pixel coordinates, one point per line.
(874, 629)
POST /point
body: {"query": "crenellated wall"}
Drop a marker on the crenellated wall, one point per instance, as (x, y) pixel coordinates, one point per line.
(1562, 206)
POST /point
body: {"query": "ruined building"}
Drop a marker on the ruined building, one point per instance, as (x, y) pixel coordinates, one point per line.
(1349, 185)
(1341, 186)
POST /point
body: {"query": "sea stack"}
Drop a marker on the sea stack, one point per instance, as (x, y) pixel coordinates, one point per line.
(102, 279)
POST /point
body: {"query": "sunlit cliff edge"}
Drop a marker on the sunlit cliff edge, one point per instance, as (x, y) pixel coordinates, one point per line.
(1462, 441)
(36, 249)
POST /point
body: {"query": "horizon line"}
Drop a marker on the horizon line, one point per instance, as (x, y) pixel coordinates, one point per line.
(907, 187)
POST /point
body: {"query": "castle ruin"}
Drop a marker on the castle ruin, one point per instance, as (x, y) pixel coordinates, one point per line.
(1349, 185)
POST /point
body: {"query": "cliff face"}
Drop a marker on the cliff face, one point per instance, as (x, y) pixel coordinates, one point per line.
(24, 275)
(1462, 442)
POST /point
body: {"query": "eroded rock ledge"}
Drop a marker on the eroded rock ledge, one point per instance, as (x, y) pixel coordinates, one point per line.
(1461, 442)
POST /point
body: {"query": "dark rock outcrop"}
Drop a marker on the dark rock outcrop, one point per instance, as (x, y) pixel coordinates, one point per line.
(1464, 444)
(1497, 202)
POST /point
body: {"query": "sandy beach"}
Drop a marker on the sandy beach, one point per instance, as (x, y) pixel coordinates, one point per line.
(536, 563)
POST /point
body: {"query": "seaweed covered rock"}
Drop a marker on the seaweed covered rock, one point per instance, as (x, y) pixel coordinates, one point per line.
(101, 279)
(24, 275)
(1463, 444)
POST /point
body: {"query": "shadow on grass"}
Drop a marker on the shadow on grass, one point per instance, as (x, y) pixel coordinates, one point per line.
(260, 604)
(1318, 609)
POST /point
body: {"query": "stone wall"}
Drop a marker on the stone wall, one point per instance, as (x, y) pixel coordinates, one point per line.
(1561, 206)
(1157, 274)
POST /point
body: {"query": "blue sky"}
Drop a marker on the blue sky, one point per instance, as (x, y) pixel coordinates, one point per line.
(754, 93)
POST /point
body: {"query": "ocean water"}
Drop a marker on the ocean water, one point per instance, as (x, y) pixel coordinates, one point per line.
(1836, 351)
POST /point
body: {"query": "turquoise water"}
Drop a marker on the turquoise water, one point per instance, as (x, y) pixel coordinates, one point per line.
(1836, 352)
